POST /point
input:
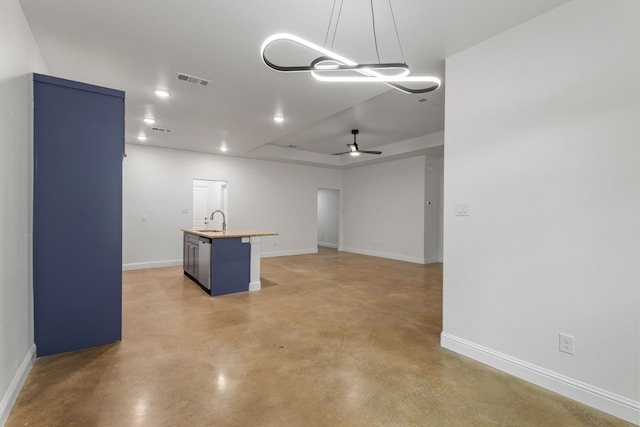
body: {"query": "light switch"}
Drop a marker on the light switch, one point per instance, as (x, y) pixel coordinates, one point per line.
(185, 210)
(461, 209)
(143, 218)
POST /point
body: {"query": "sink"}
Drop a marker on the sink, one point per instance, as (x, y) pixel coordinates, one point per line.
(209, 230)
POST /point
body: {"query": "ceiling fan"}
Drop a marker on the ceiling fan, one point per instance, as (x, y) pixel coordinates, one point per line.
(353, 148)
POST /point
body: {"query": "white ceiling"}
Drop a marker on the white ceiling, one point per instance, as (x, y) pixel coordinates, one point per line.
(140, 45)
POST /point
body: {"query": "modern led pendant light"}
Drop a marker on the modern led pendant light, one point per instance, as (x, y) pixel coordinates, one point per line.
(332, 67)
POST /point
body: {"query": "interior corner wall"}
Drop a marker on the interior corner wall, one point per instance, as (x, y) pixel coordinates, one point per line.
(19, 57)
(542, 142)
(261, 195)
(383, 209)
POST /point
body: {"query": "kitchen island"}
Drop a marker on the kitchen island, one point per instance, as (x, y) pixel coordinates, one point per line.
(223, 262)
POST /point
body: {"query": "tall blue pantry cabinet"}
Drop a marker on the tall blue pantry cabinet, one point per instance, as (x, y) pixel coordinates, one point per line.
(77, 214)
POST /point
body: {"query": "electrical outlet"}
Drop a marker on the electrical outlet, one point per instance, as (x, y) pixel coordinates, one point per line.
(566, 343)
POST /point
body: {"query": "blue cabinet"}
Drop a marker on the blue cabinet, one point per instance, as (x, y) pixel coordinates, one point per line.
(219, 265)
(77, 214)
(190, 255)
(230, 265)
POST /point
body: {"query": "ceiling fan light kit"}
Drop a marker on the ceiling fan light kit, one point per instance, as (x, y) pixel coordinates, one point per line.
(332, 67)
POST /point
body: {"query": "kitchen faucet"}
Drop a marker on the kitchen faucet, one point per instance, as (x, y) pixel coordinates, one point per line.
(224, 221)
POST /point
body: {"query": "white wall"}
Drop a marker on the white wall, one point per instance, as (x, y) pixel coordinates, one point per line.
(328, 217)
(383, 209)
(542, 139)
(384, 212)
(19, 56)
(262, 195)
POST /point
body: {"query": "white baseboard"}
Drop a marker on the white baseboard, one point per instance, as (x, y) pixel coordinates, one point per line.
(270, 254)
(255, 286)
(328, 245)
(388, 255)
(151, 264)
(595, 397)
(16, 385)
(176, 262)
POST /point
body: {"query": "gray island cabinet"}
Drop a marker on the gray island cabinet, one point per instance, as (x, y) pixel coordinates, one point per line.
(190, 254)
(223, 262)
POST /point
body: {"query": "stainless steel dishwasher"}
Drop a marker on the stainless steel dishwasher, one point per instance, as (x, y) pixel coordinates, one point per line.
(204, 263)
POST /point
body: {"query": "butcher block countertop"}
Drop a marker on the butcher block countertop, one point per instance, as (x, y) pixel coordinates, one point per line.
(219, 234)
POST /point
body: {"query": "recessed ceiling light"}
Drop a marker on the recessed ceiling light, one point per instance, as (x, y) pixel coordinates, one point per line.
(223, 148)
(149, 120)
(278, 119)
(142, 138)
(162, 93)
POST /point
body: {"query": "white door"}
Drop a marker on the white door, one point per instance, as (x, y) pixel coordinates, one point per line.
(200, 207)
(209, 196)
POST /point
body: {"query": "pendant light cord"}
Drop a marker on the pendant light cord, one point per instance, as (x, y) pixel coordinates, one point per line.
(335, 29)
(375, 37)
(397, 35)
(326, 37)
(373, 20)
(337, 22)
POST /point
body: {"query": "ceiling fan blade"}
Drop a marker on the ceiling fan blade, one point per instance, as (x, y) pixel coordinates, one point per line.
(370, 152)
(344, 152)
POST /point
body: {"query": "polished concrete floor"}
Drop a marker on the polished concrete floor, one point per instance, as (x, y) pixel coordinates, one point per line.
(333, 339)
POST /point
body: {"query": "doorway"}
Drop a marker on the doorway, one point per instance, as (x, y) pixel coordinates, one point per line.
(209, 196)
(328, 217)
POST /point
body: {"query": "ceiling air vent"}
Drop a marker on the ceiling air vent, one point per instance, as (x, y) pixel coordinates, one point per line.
(193, 79)
(161, 130)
